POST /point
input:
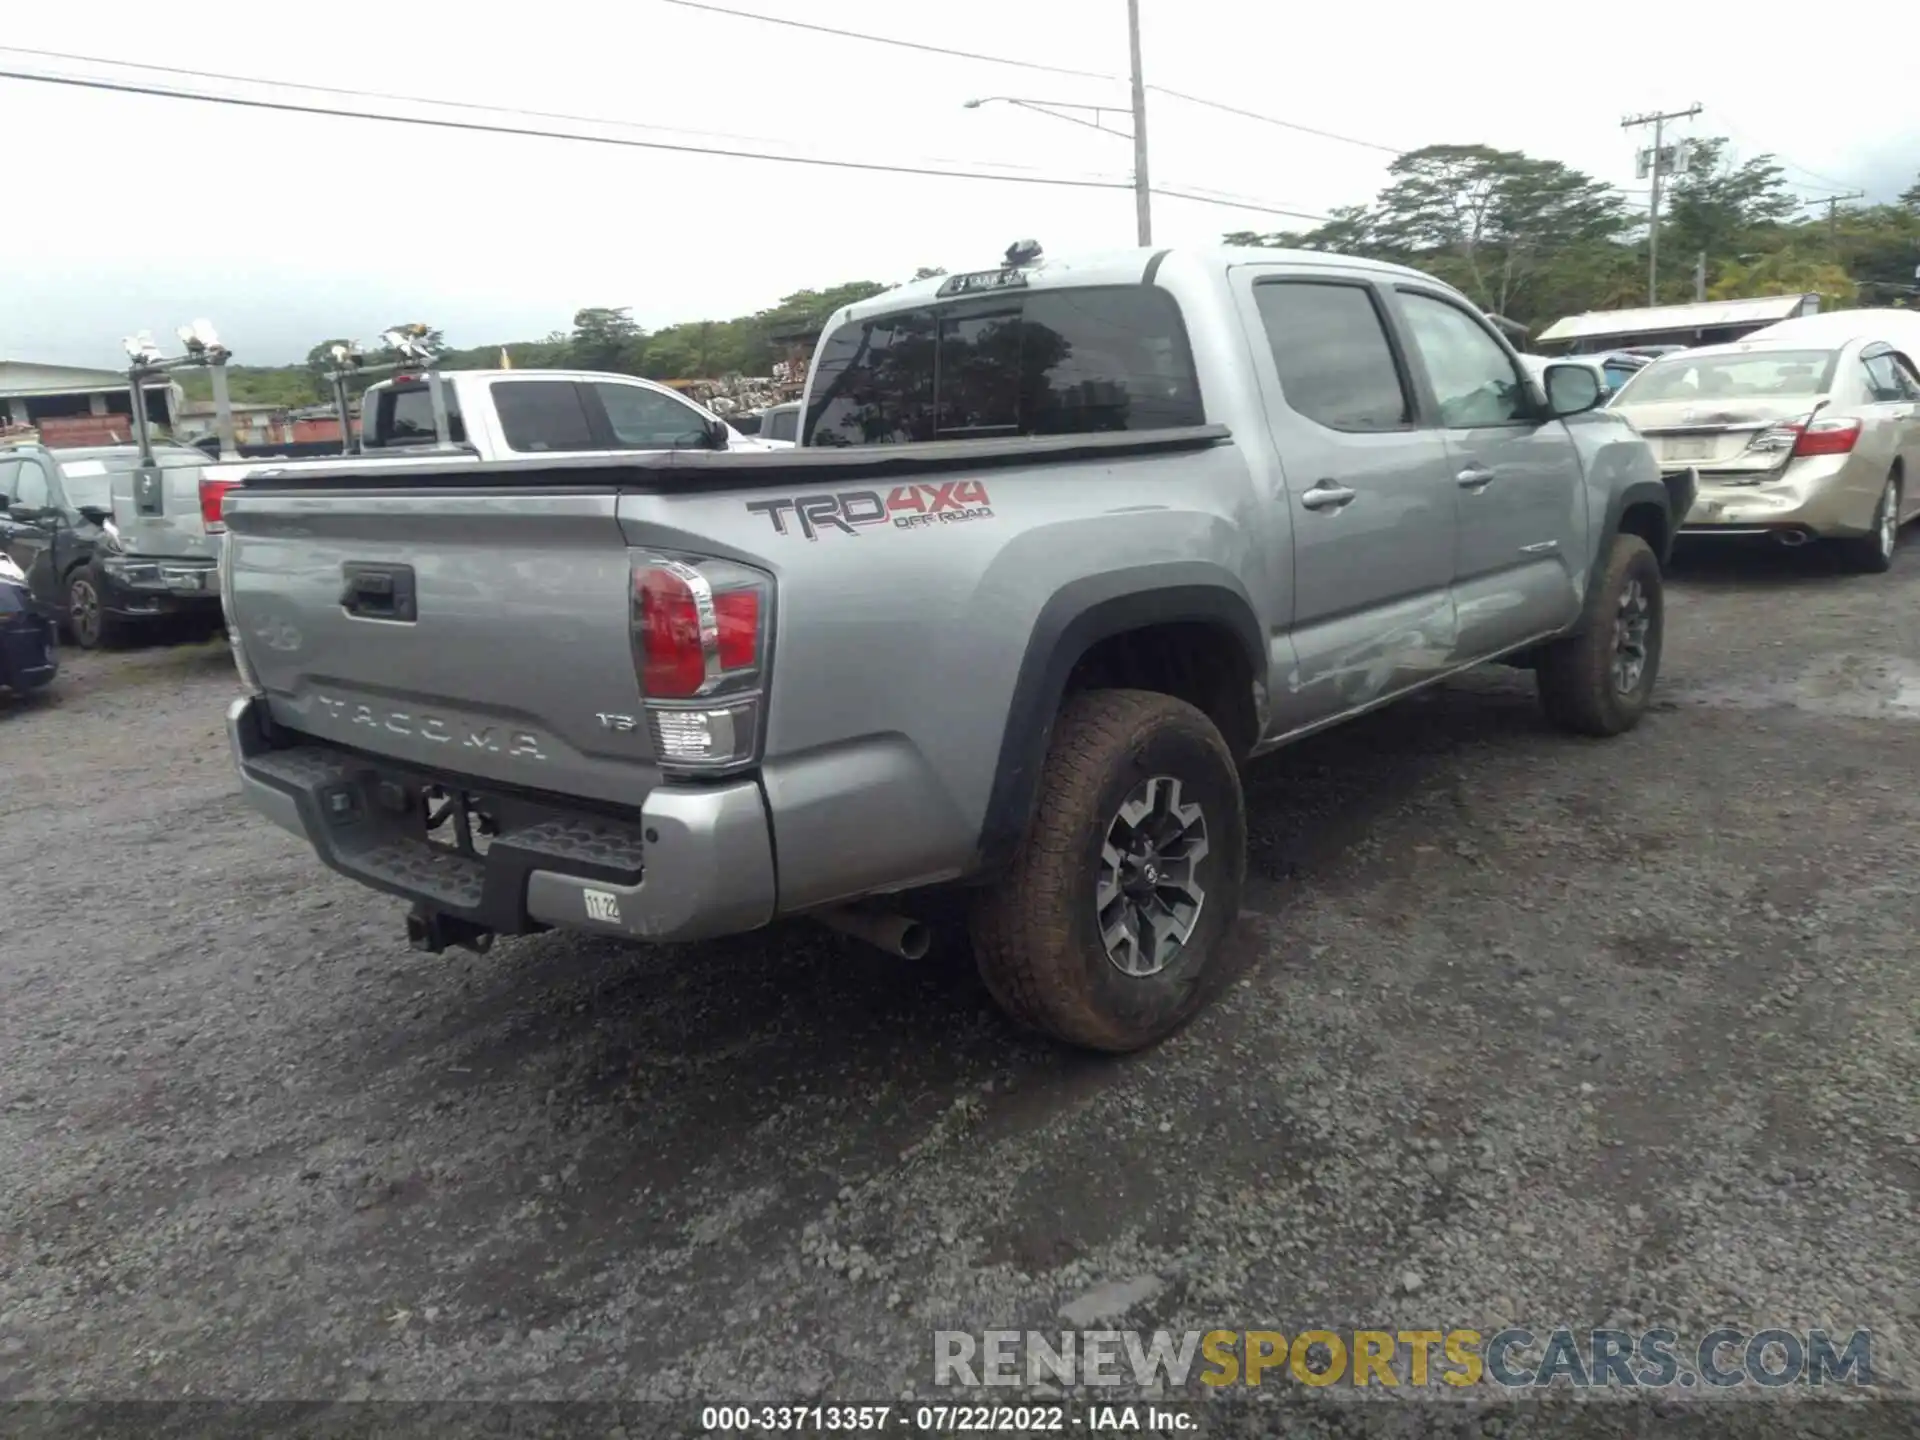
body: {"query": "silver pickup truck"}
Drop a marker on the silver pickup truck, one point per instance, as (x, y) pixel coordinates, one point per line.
(1065, 544)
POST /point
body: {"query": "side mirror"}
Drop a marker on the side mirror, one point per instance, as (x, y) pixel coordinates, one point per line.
(1571, 390)
(717, 433)
(5, 500)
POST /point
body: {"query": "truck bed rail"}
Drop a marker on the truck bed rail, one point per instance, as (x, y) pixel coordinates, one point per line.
(680, 470)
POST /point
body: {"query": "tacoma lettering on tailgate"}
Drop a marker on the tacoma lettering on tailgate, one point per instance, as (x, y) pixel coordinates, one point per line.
(905, 507)
(432, 728)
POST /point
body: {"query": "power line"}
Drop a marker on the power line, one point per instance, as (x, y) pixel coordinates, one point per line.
(1030, 65)
(1787, 163)
(1221, 197)
(128, 87)
(467, 105)
(1264, 119)
(886, 40)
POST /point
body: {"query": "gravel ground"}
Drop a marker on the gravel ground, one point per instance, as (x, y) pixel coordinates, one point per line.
(1528, 1029)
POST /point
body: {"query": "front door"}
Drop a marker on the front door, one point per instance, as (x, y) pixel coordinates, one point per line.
(1520, 500)
(1369, 493)
(29, 528)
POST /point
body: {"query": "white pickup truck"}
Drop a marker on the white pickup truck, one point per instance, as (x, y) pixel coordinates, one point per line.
(505, 415)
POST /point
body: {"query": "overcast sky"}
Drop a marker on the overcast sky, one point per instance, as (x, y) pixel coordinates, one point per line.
(286, 229)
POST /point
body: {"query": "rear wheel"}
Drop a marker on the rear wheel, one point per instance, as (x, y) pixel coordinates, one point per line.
(1110, 921)
(1600, 681)
(88, 620)
(1873, 551)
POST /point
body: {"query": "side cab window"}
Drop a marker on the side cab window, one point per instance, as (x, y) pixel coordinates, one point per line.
(543, 416)
(644, 419)
(30, 489)
(1475, 381)
(1331, 350)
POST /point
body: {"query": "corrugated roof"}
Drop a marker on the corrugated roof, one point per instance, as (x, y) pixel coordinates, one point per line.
(1654, 319)
(25, 377)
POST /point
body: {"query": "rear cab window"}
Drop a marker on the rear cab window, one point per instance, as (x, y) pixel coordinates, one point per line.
(1089, 360)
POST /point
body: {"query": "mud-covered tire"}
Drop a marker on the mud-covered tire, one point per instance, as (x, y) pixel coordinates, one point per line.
(1581, 688)
(1037, 934)
(1872, 553)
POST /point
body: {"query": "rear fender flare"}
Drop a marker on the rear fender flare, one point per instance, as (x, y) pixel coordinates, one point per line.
(1075, 618)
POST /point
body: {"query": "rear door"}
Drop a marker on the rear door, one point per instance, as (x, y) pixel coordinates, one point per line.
(1892, 411)
(1909, 378)
(1520, 553)
(1370, 503)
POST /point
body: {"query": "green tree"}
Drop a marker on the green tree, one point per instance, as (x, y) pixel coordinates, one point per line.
(606, 338)
(1721, 210)
(1501, 216)
(1787, 271)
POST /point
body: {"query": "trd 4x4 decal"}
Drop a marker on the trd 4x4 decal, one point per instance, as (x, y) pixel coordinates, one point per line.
(906, 507)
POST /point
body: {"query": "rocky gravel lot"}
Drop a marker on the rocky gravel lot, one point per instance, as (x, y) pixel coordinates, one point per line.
(1525, 1029)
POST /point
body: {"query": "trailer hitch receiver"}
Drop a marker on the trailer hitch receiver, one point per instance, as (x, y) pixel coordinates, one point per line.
(433, 932)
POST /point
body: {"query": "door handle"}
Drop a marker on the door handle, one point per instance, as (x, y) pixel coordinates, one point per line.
(1474, 476)
(1327, 496)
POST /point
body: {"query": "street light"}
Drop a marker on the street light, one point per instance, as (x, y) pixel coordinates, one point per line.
(1142, 190)
(1053, 108)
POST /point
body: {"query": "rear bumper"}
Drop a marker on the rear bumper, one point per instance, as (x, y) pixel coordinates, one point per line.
(697, 861)
(1812, 497)
(145, 585)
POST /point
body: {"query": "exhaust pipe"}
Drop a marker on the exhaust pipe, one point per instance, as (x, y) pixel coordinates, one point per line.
(1792, 539)
(895, 934)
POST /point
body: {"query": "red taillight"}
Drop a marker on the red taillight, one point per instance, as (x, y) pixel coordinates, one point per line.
(1827, 437)
(673, 649)
(700, 636)
(674, 662)
(213, 494)
(738, 612)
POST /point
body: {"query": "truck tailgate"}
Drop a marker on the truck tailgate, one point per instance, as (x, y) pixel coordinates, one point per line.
(478, 634)
(159, 513)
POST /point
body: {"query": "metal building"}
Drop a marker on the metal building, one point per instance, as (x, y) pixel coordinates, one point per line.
(74, 406)
(1705, 322)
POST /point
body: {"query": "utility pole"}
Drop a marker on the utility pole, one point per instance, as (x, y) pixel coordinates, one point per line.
(1833, 202)
(1658, 120)
(1142, 192)
(1700, 276)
